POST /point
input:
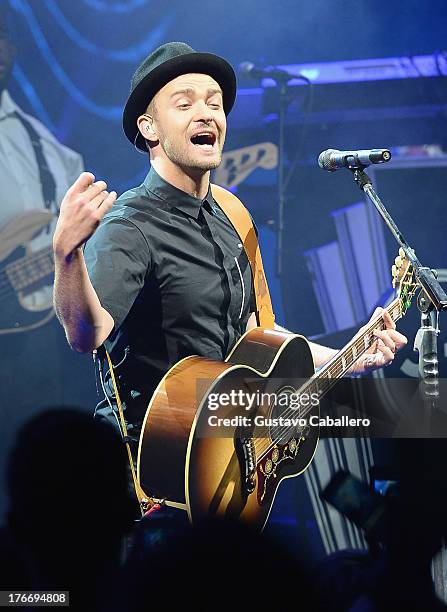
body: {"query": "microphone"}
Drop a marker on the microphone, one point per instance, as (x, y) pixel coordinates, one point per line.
(248, 69)
(332, 160)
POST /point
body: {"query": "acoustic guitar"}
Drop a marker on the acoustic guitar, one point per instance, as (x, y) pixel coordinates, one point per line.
(219, 437)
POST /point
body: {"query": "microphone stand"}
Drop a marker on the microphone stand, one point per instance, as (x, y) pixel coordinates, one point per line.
(431, 301)
(284, 99)
(282, 78)
(283, 103)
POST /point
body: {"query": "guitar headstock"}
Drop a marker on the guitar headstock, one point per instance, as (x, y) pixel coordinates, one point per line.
(404, 280)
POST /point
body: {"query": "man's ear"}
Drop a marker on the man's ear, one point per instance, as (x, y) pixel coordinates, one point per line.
(146, 127)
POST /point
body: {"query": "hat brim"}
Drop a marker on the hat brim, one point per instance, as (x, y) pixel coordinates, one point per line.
(202, 63)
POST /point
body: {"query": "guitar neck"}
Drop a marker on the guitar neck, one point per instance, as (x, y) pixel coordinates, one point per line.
(342, 362)
(29, 270)
(406, 285)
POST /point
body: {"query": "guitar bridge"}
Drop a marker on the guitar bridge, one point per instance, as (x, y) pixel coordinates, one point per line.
(245, 449)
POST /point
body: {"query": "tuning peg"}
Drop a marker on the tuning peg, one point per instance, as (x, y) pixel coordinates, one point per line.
(394, 274)
(398, 261)
(402, 253)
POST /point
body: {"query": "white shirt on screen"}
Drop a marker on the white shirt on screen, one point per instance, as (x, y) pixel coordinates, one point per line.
(20, 187)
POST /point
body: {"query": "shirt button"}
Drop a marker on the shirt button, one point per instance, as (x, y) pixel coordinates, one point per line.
(239, 244)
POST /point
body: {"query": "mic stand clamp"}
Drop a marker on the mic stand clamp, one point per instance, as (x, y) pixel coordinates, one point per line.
(426, 343)
(431, 300)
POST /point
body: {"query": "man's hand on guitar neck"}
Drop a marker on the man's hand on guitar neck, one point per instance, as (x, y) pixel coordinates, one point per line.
(382, 352)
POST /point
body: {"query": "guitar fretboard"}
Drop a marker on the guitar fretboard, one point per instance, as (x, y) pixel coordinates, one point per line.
(29, 270)
(343, 361)
(328, 376)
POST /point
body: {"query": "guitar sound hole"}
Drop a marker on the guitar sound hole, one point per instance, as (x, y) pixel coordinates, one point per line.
(285, 409)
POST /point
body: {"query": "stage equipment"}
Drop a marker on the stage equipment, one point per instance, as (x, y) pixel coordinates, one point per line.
(248, 69)
(431, 301)
(350, 274)
(399, 88)
(282, 79)
(332, 159)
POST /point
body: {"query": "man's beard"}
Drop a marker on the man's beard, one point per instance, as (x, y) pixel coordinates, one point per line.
(182, 158)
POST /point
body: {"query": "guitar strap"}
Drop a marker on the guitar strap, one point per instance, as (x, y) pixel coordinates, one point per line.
(143, 501)
(240, 218)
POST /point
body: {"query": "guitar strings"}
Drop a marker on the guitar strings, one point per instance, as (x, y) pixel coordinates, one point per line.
(300, 412)
(326, 385)
(327, 382)
(8, 286)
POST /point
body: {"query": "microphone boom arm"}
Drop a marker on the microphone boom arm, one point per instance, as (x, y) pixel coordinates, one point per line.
(432, 299)
(425, 276)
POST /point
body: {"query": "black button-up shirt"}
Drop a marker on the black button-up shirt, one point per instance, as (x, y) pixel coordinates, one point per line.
(173, 274)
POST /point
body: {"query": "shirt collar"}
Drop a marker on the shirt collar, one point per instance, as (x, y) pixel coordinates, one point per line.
(176, 198)
(7, 105)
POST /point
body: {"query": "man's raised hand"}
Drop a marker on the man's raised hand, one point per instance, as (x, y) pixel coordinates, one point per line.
(84, 205)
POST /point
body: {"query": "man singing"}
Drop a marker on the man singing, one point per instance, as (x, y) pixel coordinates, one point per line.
(164, 274)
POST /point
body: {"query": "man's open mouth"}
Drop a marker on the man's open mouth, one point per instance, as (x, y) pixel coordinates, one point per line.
(204, 140)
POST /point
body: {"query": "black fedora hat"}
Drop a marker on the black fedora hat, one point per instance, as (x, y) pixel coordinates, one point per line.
(164, 64)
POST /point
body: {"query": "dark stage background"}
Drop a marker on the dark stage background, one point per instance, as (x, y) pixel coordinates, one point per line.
(73, 70)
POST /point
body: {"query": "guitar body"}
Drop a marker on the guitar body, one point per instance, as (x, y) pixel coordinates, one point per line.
(23, 272)
(205, 469)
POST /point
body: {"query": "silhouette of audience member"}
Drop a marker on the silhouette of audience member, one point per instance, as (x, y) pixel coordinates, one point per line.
(417, 529)
(398, 576)
(215, 565)
(70, 507)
